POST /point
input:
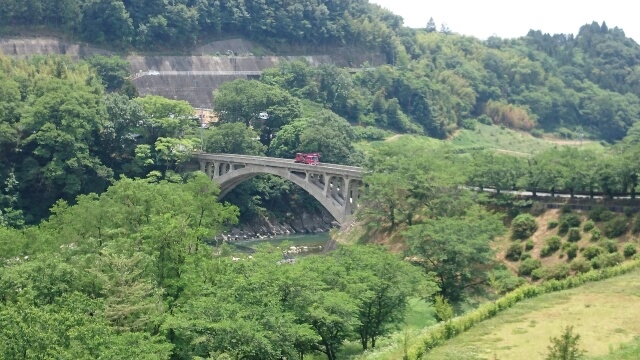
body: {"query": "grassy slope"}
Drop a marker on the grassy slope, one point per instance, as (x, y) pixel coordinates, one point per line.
(543, 232)
(523, 332)
(627, 351)
(509, 141)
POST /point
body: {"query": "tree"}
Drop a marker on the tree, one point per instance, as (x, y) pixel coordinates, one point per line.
(387, 284)
(233, 138)
(61, 120)
(117, 140)
(565, 347)
(165, 118)
(431, 25)
(245, 100)
(112, 70)
(456, 249)
(108, 22)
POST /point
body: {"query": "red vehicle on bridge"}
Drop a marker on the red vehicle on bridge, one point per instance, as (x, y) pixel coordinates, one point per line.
(308, 158)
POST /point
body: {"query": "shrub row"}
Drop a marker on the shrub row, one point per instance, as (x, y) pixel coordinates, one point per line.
(442, 332)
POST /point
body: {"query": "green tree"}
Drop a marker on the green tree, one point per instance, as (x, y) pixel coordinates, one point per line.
(456, 249)
(233, 138)
(107, 22)
(62, 118)
(245, 100)
(565, 347)
(112, 70)
(388, 283)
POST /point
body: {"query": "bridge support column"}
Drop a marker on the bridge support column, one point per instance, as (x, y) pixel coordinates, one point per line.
(209, 165)
(327, 184)
(203, 166)
(346, 194)
(355, 193)
(216, 169)
(334, 188)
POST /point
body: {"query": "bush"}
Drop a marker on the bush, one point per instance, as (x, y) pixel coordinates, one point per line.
(596, 234)
(592, 252)
(525, 256)
(537, 133)
(574, 235)
(552, 224)
(580, 265)
(558, 272)
(600, 213)
(568, 221)
(528, 266)
(553, 242)
(503, 280)
(529, 244)
(514, 251)
(484, 119)
(538, 274)
(616, 227)
(588, 226)
(523, 226)
(629, 250)
(571, 250)
(469, 124)
(607, 260)
(609, 245)
(370, 133)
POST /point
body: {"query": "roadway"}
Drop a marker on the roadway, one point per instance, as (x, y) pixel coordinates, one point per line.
(545, 194)
(350, 171)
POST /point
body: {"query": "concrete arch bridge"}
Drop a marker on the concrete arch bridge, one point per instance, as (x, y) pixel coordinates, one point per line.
(336, 187)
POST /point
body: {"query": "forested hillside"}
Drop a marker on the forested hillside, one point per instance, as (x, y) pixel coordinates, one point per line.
(150, 24)
(587, 83)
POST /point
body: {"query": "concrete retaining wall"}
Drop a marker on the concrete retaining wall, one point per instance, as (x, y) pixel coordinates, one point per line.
(194, 88)
(24, 48)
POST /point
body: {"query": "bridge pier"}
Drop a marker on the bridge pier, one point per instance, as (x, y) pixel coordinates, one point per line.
(336, 187)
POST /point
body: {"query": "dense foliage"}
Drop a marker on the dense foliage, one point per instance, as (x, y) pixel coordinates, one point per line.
(127, 273)
(63, 135)
(445, 82)
(160, 24)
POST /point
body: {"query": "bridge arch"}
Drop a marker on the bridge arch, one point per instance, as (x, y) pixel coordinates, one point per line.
(336, 187)
(234, 178)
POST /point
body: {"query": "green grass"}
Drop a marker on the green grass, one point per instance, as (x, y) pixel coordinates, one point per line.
(627, 351)
(604, 314)
(506, 140)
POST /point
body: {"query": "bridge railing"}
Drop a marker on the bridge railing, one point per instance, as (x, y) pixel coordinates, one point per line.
(351, 171)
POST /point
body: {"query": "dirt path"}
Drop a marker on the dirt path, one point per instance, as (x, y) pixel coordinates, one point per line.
(394, 137)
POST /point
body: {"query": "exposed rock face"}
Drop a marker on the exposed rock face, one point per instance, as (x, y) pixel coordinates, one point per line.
(265, 228)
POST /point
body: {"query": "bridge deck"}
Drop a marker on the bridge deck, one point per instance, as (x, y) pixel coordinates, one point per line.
(351, 171)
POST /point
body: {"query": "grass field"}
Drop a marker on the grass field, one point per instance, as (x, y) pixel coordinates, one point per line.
(605, 315)
(627, 351)
(509, 141)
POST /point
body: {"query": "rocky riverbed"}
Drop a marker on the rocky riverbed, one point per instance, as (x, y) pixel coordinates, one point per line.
(265, 228)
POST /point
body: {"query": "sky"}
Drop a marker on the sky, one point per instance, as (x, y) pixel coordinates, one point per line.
(511, 19)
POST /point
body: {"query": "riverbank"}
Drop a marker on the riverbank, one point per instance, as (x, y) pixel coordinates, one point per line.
(268, 228)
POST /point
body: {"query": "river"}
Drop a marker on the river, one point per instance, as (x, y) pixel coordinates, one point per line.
(297, 240)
